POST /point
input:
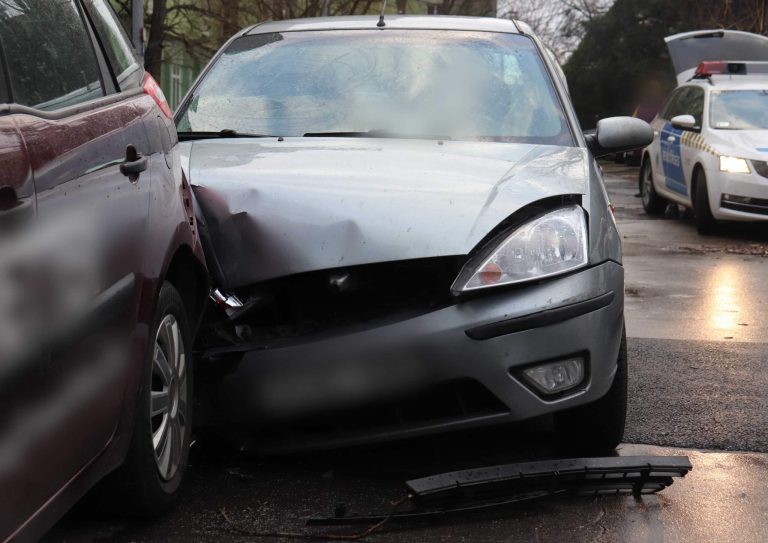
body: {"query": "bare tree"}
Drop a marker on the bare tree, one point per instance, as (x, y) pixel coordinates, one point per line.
(202, 26)
(559, 23)
(748, 15)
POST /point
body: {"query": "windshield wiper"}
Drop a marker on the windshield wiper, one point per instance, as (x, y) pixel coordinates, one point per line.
(225, 133)
(375, 134)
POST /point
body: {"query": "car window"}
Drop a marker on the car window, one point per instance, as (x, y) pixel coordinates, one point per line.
(694, 104)
(50, 58)
(686, 101)
(691, 102)
(453, 84)
(117, 46)
(675, 104)
(739, 109)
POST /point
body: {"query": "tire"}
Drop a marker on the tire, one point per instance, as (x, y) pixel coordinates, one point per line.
(705, 223)
(148, 482)
(653, 204)
(596, 428)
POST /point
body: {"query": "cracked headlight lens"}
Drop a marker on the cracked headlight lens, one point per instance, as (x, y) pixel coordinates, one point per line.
(548, 245)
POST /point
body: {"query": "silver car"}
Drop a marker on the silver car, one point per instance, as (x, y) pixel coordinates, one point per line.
(408, 234)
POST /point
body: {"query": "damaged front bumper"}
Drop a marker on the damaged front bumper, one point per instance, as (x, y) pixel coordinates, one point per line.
(455, 367)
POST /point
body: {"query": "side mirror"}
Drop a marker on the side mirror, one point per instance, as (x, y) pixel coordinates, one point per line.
(684, 122)
(618, 134)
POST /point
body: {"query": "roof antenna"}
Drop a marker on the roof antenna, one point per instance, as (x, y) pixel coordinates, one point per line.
(381, 23)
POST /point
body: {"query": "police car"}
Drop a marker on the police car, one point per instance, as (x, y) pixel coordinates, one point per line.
(710, 147)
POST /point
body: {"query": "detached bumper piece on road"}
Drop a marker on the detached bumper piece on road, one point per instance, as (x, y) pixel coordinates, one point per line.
(494, 486)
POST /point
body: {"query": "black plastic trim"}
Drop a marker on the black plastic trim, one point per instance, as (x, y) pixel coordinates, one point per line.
(77, 109)
(542, 318)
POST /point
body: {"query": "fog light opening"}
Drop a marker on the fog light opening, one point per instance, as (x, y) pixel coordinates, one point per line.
(558, 376)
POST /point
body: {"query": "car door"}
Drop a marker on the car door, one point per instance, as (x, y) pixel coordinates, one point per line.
(670, 146)
(692, 104)
(17, 210)
(85, 139)
(677, 154)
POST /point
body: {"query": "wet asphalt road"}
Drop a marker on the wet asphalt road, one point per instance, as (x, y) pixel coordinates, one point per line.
(707, 393)
(675, 385)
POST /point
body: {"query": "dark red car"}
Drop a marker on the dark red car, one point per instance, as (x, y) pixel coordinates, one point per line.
(102, 277)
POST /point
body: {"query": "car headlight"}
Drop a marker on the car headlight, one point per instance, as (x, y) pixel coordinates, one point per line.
(548, 245)
(732, 164)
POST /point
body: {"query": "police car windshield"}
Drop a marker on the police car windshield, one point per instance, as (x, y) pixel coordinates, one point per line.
(456, 84)
(739, 109)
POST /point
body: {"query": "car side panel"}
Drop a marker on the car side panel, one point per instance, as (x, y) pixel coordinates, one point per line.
(171, 229)
(16, 175)
(96, 220)
(654, 151)
(168, 228)
(672, 160)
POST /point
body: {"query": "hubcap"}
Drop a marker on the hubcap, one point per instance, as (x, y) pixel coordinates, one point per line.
(168, 397)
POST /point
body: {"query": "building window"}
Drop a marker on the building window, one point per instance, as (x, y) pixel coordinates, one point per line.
(175, 85)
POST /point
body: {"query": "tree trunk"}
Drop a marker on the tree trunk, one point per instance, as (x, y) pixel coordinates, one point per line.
(231, 14)
(153, 56)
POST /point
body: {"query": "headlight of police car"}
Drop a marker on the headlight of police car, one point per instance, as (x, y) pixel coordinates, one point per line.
(548, 245)
(732, 164)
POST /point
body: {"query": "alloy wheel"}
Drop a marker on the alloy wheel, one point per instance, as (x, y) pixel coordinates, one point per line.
(168, 397)
(647, 186)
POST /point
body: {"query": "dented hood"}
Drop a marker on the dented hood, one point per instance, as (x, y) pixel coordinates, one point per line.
(274, 208)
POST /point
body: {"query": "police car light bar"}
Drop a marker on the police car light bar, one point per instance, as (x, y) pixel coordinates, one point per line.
(708, 68)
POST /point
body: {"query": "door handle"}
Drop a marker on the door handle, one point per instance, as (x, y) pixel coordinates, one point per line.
(671, 139)
(134, 163)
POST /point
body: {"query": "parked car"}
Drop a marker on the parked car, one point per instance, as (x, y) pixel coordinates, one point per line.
(102, 276)
(709, 152)
(407, 232)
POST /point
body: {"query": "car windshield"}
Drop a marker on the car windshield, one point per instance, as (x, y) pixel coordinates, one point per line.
(404, 83)
(739, 109)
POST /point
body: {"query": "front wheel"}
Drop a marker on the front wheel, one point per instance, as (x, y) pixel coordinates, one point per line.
(653, 204)
(705, 221)
(148, 481)
(597, 428)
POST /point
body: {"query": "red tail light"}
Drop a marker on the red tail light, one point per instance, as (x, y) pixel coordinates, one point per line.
(153, 89)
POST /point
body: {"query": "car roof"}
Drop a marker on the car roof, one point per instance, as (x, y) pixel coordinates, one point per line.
(368, 22)
(732, 83)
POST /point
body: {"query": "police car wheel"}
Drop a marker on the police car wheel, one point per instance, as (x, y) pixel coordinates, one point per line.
(598, 427)
(705, 222)
(653, 204)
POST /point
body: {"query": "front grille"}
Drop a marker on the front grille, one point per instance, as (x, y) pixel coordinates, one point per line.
(344, 299)
(745, 204)
(761, 167)
(451, 401)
